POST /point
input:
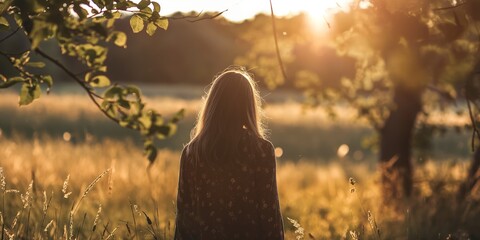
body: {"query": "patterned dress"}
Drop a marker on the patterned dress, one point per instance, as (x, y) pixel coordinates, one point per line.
(235, 201)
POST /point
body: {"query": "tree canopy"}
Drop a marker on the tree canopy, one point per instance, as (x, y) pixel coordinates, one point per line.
(394, 61)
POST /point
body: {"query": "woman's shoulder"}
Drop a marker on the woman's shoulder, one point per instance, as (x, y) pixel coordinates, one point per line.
(265, 144)
(259, 144)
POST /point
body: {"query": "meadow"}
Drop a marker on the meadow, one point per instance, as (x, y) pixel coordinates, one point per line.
(69, 173)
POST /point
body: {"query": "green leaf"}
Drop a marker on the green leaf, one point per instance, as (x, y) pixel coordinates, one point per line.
(81, 12)
(109, 108)
(178, 116)
(136, 22)
(41, 31)
(147, 12)
(146, 121)
(112, 92)
(29, 93)
(99, 3)
(18, 19)
(133, 90)
(47, 79)
(100, 29)
(124, 103)
(3, 22)
(151, 152)
(119, 38)
(154, 16)
(117, 15)
(156, 6)
(99, 19)
(162, 23)
(173, 129)
(10, 82)
(108, 14)
(164, 131)
(35, 64)
(4, 5)
(24, 58)
(151, 28)
(122, 5)
(143, 4)
(100, 81)
(124, 123)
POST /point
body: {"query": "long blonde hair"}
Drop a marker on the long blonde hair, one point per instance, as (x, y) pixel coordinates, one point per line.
(231, 106)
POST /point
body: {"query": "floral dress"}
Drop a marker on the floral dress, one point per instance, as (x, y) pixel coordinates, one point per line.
(234, 201)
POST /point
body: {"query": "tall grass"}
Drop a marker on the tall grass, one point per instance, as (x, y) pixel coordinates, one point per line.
(57, 186)
(302, 133)
(69, 173)
(102, 189)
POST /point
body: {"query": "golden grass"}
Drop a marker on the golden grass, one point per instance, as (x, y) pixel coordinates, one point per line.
(319, 197)
(61, 105)
(169, 104)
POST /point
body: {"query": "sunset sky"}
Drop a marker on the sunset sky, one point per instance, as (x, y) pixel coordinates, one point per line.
(239, 10)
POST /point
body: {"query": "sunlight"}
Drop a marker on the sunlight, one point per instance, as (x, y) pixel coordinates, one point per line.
(278, 152)
(343, 150)
(320, 12)
(67, 136)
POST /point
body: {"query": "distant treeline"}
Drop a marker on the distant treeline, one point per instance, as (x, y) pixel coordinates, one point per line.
(188, 52)
(193, 52)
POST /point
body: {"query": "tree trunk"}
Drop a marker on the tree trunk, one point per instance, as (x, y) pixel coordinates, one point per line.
(473, 177)
(396, 143)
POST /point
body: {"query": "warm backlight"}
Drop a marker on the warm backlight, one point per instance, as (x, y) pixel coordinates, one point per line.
(321, 12)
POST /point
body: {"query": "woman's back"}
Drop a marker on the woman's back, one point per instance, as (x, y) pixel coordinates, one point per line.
(234, 200)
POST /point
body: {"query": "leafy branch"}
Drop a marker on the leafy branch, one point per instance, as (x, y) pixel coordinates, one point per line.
(89, 90)
(81, 29)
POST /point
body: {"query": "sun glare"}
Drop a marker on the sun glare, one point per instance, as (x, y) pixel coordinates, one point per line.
(321, 12)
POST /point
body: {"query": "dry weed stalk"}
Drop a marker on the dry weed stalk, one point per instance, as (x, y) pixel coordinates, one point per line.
(88, 189)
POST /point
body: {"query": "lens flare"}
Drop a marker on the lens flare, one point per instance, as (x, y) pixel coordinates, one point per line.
(343, 150)
(278, 152)
(67, 136)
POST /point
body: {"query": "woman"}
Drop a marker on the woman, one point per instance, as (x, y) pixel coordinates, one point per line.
(227, 185)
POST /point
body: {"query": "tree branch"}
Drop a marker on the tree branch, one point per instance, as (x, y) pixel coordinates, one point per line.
(279, 58)
(208, 17)
(9, 35)
(89, 91)
(185, 17)
(450, 7)
(441, 92)
(21, 70)
(194, 18)
(474, 125)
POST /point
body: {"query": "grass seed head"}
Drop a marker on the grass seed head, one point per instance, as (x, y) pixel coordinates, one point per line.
(354, 235)
(299, 232)
(45, 202)
(97, 217)
(149, 221)
(48, 226)
(27, 198)
(352, 181)
(65, 186)
(3, 184)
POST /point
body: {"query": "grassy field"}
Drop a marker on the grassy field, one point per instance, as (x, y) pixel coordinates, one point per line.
(97, 185)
